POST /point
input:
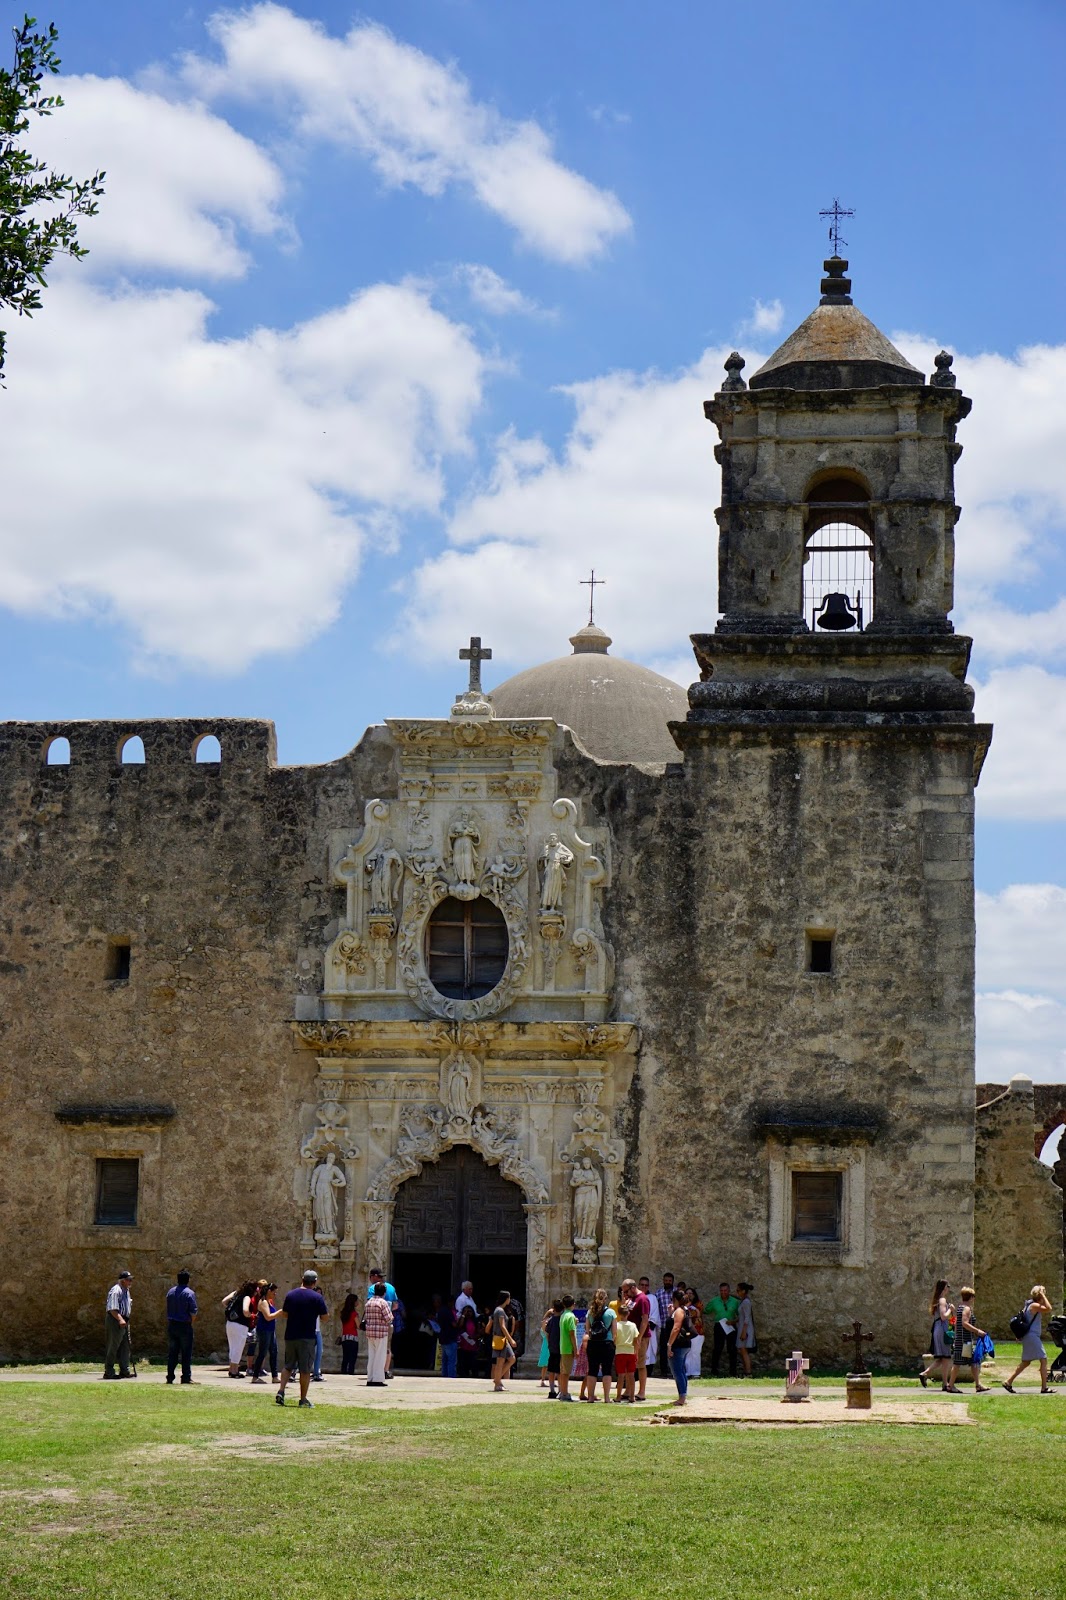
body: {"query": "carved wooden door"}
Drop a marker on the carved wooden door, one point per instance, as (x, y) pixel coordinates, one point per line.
(461, 1205)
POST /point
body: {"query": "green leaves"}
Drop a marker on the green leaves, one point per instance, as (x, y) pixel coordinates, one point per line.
(39, 209)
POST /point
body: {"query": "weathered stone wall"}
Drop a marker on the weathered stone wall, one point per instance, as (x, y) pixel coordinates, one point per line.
(1018, 1211)
(219, 877)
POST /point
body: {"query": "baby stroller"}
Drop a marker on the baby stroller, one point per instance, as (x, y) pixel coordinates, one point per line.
(1057, 1331)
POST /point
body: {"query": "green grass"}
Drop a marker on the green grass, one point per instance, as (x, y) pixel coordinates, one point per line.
(107, 1490)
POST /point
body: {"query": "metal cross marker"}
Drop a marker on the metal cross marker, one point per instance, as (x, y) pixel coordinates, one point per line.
(858, 1338)
(592, 583)
(836, 211)
(475, 655)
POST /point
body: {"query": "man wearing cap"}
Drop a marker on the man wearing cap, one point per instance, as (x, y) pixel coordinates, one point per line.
(117, 1315)
(301, 1309)
(181, 1314)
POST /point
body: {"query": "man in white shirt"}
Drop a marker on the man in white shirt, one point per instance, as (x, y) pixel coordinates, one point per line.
(117, 1315)
(465, 1298)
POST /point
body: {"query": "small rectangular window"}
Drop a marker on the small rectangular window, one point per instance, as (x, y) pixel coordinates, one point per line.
(816, 1205)
(117, 1182)
(117, 968)
(819, 952)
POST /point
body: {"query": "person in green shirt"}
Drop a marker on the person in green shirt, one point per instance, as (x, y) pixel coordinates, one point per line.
(722, 1310)
(567, 1347)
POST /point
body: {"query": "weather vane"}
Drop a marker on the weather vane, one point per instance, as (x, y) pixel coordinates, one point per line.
(593, 584)
(836, 211)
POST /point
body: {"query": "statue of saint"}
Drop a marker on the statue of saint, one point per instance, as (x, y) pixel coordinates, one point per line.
(555, 858)
(458, 1089)
(464, 836)
(326, 1179)
(587, 1185)
(385, 868)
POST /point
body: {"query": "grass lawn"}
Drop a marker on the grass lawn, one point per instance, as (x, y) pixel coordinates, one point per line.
(107, 1490)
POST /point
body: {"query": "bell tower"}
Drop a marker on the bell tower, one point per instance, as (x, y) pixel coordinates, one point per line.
(836, 528)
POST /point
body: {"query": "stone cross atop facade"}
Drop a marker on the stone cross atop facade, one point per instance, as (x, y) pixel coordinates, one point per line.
(475, 655)
(858, 1338)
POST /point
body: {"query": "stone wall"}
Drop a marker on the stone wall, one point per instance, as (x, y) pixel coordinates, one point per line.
(750, 1065)
(1018, 1213)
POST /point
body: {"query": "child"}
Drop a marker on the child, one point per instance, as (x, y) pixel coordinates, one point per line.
(625, 1356)
(545, 1353)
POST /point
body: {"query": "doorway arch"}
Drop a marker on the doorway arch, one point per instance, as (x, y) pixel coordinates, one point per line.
(458, 1218)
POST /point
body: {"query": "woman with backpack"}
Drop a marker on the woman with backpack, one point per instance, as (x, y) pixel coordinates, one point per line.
(598, 1348)
(1032, 1348)
(240, 1316)
(679, 1344)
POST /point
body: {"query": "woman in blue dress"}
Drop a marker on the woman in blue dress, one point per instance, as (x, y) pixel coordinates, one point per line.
(1032, 1348)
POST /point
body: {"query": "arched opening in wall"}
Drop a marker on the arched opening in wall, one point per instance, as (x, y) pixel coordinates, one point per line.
(57, 753)
(131, 751)
(206, 749)
(1049, 1152)
(458, 1219)
(466, 947)
(838, 564)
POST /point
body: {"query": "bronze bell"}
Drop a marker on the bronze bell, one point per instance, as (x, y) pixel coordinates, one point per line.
(836, 613)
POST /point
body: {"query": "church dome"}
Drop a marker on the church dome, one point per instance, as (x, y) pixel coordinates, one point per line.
(836, 347)
(617, 710)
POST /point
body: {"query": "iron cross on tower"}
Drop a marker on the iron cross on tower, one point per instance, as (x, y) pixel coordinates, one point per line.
(592, 583)
(475, 655)
(836, 211)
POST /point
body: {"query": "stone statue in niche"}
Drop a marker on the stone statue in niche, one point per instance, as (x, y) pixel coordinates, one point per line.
(458, 1089)
(555, 859)
(587, 1186)
(385, 868)
(326, 1179)
(464, 836)
(506, 867)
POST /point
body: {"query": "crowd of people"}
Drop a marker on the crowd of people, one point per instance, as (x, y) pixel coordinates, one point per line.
(595, 1342)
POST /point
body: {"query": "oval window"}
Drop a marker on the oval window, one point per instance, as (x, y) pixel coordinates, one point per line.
(466, 948)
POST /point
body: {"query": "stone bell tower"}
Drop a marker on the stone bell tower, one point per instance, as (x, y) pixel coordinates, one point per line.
(824, 870)
(837, 526)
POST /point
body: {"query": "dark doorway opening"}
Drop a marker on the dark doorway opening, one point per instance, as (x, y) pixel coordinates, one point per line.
(460, 1218)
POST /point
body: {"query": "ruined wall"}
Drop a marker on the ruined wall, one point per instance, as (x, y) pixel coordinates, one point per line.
(1018, 1211)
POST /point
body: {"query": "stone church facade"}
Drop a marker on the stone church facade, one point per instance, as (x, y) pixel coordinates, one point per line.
(578, 978)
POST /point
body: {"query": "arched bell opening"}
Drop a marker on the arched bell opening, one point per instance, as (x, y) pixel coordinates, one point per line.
(459, 1219)
(838, 555)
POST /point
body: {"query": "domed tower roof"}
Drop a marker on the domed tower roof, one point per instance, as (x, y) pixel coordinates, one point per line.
(836, 347)
(617, 710)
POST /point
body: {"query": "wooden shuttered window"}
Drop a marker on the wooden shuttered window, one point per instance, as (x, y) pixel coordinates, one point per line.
(817, 1199)
(117, 1182)
(466, 947)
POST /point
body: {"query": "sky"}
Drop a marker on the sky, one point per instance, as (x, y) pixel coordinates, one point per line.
(397, 321)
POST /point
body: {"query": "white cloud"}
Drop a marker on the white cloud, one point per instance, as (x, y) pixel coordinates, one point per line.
(632, 494)
(1025, 773)
(180, 182)
(495, 295)
(216, 493)
(414, 118)
(1020, 1033)
(766, 318)
(1021, 939)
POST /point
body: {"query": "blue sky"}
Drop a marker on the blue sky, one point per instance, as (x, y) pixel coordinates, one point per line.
(396, 321)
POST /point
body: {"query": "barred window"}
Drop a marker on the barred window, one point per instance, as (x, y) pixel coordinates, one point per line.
(817, 1204)
(117, 1183)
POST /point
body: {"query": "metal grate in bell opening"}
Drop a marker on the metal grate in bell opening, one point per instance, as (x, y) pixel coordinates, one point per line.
(839, 561)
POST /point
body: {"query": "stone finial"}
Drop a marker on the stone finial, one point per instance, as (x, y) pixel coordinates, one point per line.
(1020, 1084)
(836, 287)
(734, 366)
(943, 377)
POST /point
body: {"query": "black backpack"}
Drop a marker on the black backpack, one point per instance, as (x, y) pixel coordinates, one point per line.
(599, 1327)
(683, 1341)
(1020, 1324)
